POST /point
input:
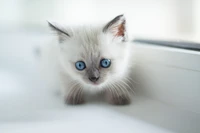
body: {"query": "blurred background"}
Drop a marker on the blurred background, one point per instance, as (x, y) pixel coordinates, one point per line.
(176, 19)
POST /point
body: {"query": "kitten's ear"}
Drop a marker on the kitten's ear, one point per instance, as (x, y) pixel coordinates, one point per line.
(62, 33)
(117, 27)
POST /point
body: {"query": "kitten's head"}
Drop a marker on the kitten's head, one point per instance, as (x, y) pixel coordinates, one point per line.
(94, 56)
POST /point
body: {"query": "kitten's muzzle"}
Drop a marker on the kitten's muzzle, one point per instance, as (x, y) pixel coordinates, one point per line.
(93, 74)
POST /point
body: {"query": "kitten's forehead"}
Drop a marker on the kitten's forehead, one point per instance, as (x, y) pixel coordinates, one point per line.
(89, 41)
(90, 44)
(87, 35)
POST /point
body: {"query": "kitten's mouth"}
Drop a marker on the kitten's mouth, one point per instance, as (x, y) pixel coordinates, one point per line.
(95, 83)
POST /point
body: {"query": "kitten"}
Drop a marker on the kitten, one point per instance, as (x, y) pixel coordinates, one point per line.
(94, 59)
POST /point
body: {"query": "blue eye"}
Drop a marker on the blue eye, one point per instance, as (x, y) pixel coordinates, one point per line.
(105, 63)
(80, 65)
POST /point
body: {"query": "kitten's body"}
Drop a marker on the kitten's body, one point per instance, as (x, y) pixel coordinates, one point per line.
(90, 45)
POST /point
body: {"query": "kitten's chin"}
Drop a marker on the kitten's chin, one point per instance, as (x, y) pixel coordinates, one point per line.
(95, 84)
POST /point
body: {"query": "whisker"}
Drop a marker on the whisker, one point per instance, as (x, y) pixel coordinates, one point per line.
(127, 86)
(73, 91)
(79, 95)
(121, 88)
(131, 80)
(114, 89)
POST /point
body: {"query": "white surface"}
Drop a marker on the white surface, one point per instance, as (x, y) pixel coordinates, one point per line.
(28, 105)
(25, 108)
(170, 75)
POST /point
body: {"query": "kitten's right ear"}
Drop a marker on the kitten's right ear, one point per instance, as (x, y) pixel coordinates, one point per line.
(62, 33)
(117, 27)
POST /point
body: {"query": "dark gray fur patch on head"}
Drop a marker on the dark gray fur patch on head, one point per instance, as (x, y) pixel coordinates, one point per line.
(93, 72)
(93, 69)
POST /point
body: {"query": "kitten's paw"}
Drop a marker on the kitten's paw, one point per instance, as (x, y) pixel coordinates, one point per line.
(119, 100)
(74, 100)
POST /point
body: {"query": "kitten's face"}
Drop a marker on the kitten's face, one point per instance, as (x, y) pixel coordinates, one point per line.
(95, 56)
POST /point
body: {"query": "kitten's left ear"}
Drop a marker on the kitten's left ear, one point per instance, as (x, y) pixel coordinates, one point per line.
(62, 33)
(117, 27)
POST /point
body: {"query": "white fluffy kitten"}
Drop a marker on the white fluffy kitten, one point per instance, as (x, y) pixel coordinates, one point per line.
(93, 59)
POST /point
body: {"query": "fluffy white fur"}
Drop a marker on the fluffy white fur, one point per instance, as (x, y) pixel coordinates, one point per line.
(89, 44)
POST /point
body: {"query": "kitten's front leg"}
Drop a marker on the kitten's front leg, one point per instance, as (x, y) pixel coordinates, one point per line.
(74, 99)
(117, 97)
(71, 90)
(73, 95)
